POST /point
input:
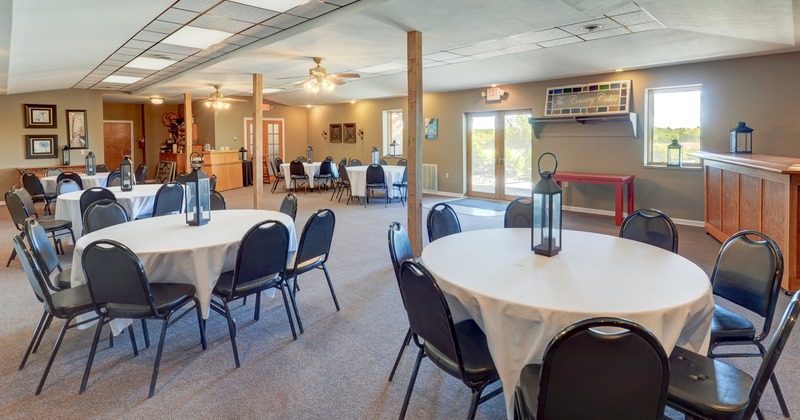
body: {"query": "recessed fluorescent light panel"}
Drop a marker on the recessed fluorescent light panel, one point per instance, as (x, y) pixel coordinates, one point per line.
(150, 63)
(125, 80)
(271, 90)
(276, 5)
(193, 37)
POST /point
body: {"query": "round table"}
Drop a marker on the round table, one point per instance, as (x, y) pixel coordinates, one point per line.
(88, 181)
(136, 202)
(310, 168)
(358, 179)
(522, 300)
(172, 251)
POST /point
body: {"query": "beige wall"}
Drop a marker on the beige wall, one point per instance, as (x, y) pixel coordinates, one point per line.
(12, 135)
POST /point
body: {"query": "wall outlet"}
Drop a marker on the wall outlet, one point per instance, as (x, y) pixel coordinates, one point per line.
(447, 175)
(234, 138)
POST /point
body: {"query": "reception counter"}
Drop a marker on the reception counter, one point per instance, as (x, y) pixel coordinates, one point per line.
(758, 192)
(225, 164)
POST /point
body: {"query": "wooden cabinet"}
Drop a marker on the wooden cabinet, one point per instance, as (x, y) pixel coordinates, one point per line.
(224, 164)
(757, 192)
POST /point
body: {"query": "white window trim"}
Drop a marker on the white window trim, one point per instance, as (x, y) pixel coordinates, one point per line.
(648, 118)
(387, 133)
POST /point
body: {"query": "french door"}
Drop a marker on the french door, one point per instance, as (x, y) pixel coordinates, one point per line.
(499, 157)
(272, 142)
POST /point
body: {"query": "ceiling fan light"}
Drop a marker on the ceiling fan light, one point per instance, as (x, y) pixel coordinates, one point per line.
(310, 86)
(327, 85)
(227, 105)
(208, 104)
(156, 100)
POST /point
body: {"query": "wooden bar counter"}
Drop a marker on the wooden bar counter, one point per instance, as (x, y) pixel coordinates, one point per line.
(758, 192)
(225, 164)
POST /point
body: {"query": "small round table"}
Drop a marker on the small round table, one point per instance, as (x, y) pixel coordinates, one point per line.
(136, 202)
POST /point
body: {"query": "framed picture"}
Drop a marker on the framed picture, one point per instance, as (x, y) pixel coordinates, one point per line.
(77, 137)
(40, 116)
(349, 132)
(41, 146)
(431, 128)
(336, 133)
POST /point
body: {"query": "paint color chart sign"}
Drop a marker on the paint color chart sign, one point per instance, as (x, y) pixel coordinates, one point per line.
(589, 99)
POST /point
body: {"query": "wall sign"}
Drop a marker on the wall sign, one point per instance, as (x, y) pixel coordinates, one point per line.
(589, 99)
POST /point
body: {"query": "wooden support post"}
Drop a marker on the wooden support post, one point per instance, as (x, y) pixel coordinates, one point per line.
(413, 144)
(258, 143)
(187, 132)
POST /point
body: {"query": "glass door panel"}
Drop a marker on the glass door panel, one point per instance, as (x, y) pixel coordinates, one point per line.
(517, 162)
(483, 156)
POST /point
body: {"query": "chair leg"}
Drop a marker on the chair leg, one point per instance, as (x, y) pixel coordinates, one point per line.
(92, 352)
(231, 331)
(201, 323)
(411, 382)
(474, 401)
(779, 396)
(35, 338)
(146, 334)
(288, 312)
(53, 355)
(400, 353)
(257, 310)
(157, 363)
(11, 257)
(41, 334)
(294, 305)
(133, 340)
(330, 286)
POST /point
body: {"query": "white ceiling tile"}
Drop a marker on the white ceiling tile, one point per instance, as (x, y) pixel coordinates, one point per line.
(173, 49)
(178, 16)
(441, 55)
(163, 27)
(220, 24)
(340, 2)
(312, 9)
(627, 8)
(521, 48)
(577, 28)
(142, 45)
(276, 5)
(558, 42)
(544, 35)
(635, 18)
(428, 64)
(195, 5)
(149, 36)
(645, 27)
(241, 40)
(488, 54)
(460, 59)
(260, 31)
(241, 12)
(130, 51)
(605, 34)
(284, 21)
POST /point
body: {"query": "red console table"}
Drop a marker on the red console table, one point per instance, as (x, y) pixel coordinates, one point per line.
(618, 181)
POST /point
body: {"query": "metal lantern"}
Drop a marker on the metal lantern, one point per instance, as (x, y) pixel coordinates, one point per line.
(91, 163)
(546, 229)
(126, 174)
(394, 147)
(198, 193)
(242, 153)
(674, 157)
(741, 138)
(65, 155)
(310, 154)
(376, 156)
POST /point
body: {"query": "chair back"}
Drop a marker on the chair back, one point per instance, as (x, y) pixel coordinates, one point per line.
(16, 209)
(169, 199)
(70, 175)
(141, 173)
(42, 250)
(296, 168)
(53, 172)
(275, 169)
(95, 194)
(114, 179)
(354, 162)
(399, 247)
(343, 161)
(773, 353)
(519, 213)
(301, 159)
(116, 280)
(32, 183)
(315, 241)
(181, 178)
(748, 273)
(262, 252)
(278, 162)
(102, 214)
(103, 168)
(581, 364)
(289, 205)
(67, 185)
(326, 168)
(382, 162)
(32, 272)
(375, 175)
(343, 173)
(402, 162)
(218, 201)
(212, 182)
(428, 313)
(27, 201)
(442, 221)
(650, 226)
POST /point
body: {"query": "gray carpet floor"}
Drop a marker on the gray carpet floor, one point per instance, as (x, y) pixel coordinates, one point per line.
(338, 369)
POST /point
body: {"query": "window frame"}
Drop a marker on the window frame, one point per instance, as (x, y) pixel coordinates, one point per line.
(649, 118)
(387, 132)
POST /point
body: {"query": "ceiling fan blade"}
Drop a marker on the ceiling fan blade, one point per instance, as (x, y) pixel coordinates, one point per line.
(336, 81)
(354, 75)
(292, 77)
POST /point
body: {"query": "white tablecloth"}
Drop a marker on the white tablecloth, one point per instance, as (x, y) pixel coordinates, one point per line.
(522, 300)
(311, 170)
(136, 202)
(172, 251)
(358, 178)
(88, 181)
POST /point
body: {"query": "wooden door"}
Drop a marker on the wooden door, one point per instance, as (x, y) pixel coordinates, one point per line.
(272, 142)
(117, 142)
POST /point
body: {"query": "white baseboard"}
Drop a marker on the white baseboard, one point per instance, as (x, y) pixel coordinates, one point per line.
(696, 223)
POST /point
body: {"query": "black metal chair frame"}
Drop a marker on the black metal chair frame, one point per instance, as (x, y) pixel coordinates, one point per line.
(94, 194)
(325, 173)
(438, 212)
(376, 180)
(107, 207)
(168, 188)
(33, 184)
(113, 176)
(45, 254)
(67, 183)
(519, 213)
(297, 172)
(399, 251)
(289, 206)
(402, 187)
(354, 162)
(141, 173)
(341, 184)
(103, 168)
(19, 214)
(218, 201)
(649, 216)
(70, 175)
(276, 169)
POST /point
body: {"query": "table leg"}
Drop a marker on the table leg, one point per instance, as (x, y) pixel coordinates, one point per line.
(618, 204)
(630, 197)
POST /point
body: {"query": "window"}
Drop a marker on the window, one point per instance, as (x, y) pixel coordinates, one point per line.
(673, 113)
(393, 132)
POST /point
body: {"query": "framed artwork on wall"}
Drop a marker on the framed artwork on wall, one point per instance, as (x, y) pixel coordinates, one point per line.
(77, 136)
(336, 133)
(349, 132)
(40, 116)
(431, 128)
(43, 146)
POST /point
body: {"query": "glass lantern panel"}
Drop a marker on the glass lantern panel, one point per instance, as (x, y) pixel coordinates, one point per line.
(126, 178)
(556, 212)
(191, 201)
(205, 198)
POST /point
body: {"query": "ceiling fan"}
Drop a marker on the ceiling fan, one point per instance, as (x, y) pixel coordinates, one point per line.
(218, 101)
(319, 78)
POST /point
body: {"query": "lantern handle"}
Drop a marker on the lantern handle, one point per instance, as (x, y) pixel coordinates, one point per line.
(539, 165)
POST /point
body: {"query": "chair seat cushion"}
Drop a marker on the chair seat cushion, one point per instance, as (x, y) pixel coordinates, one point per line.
(72, 301)
(225, 284)
(62, 279)
(706, 386)
(55, 224)
(304, 266)
(478, 364)
(727, 326)
(166, 297)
